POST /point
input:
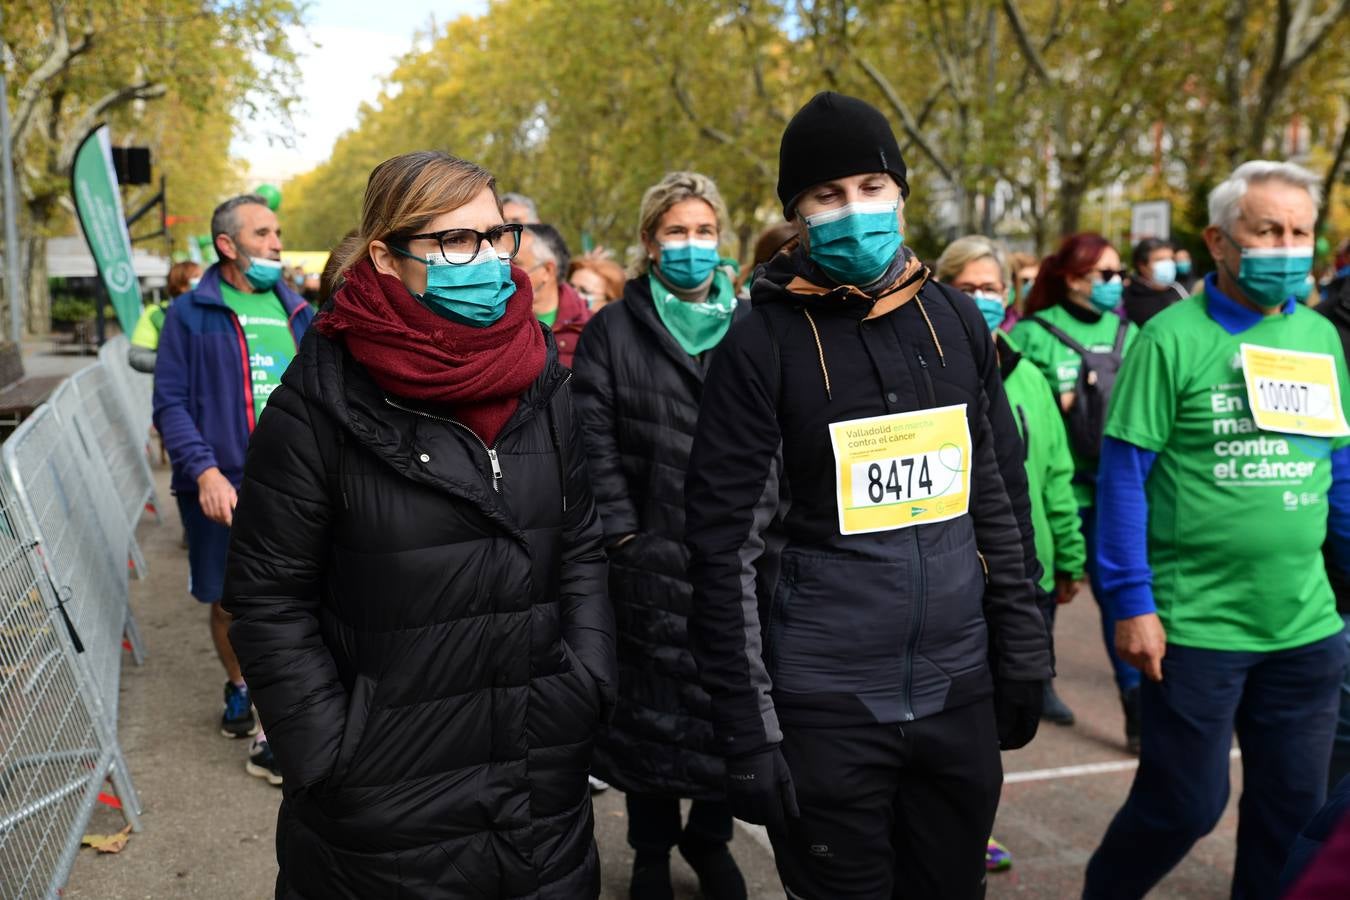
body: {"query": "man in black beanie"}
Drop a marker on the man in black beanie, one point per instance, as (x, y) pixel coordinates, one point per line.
(862, 711)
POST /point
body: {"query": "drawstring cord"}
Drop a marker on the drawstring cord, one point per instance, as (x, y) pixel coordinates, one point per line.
(932, 331)
(820, 352)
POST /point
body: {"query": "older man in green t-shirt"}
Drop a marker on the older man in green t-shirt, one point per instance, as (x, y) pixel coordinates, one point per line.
(1227, 446)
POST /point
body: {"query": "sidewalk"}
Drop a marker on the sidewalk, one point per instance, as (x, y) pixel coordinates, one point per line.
(209, 825)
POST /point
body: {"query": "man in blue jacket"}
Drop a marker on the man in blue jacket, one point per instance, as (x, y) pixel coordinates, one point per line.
(222, 352)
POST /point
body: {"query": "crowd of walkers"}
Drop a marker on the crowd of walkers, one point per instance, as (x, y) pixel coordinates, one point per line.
(500, 527)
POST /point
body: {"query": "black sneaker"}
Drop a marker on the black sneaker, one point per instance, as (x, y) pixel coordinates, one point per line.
(1053, 709)
(651, 878)
(719, 878)
(238, 720)
(1129, 701)
(261, 763)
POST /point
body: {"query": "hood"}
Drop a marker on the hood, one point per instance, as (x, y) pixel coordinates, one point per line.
(792, 277)
(1009, 355)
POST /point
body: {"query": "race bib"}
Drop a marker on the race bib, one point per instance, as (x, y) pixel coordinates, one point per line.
(1293, 392)
(902, 470)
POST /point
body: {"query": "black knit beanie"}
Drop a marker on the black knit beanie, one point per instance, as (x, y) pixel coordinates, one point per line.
(835, 136)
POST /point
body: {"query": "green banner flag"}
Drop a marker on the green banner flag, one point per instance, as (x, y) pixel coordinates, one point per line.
(98, 203)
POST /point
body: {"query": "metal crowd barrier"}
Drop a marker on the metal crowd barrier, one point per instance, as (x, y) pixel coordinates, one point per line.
(75, 481)
(57, 740)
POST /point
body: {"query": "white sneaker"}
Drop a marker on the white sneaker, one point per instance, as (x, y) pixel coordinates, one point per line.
(597, 785)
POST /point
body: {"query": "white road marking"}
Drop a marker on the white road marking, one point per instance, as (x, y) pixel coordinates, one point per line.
(1124, 765)
(760, 836)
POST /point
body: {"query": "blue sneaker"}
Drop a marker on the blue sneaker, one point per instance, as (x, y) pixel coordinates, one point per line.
(238, 720)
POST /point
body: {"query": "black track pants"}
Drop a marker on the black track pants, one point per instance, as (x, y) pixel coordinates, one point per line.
(892, 811)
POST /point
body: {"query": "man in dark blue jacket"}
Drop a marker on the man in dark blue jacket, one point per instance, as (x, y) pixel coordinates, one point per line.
(222, 352)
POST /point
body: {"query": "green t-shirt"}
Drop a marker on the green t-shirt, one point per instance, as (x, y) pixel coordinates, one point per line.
(1054, 510)
(1060, 365)
(271, 345)
(1236, 515)
(549, 317)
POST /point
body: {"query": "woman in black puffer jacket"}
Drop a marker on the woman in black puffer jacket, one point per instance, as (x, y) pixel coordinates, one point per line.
(416, 570)
(640, 367)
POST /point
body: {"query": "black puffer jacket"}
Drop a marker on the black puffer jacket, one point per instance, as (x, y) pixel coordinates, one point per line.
(430, 657)
(638, 395)
(882, 627)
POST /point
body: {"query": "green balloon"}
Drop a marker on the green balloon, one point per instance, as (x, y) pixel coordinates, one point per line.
(271, 194)
(1322, 246)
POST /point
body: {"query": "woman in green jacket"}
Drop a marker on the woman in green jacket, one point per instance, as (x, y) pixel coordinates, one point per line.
(1076, 295)
(977, 266)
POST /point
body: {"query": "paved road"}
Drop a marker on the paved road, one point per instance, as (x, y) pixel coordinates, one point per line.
(208, 825)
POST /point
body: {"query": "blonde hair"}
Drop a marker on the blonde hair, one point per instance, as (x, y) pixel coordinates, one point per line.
(407, 192)
(675, 188)
(965, 250)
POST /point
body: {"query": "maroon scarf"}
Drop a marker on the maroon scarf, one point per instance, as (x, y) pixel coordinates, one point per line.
(479, 373)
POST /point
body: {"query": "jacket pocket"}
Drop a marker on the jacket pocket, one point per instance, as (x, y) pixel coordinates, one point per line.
(840, 624)
(358, 714)
(954, 634)
(590, 688)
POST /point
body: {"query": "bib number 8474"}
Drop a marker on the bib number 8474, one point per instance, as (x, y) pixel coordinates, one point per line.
(896, 480)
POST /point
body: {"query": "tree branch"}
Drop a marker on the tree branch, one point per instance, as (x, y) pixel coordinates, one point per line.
(58, 59)
(716, 134)
(906, 118)
(1019, 27)
(1334, 172)
(145, 91)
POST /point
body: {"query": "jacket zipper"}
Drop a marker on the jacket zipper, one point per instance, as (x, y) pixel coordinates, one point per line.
(916, 621)
(497, 474)
(927, 379)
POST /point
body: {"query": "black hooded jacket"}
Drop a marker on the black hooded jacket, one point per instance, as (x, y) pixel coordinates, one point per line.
(638, 394)
(883, 627)
(430, 656)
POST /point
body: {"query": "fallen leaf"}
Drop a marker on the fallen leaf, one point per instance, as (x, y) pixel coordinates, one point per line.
(108, 843)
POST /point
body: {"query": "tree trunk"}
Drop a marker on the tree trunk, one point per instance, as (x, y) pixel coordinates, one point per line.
(1071, 193)
(38, 315)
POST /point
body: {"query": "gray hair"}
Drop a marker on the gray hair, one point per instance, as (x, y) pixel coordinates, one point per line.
(524, 201)
(965, 250)
(1224, 199)
(225, 219)
(676, 187)
(549, 247)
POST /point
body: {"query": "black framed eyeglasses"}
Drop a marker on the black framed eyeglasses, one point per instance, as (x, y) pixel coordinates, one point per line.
(1108, 274)
(460, 245)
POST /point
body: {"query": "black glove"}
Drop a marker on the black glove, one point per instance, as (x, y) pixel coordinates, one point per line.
(759, 789)
(1017, 710)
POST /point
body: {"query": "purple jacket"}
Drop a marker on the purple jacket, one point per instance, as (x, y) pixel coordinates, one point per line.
(203, 392)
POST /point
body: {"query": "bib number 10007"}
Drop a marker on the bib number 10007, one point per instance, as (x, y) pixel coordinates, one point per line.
(897, 480)
(1294, 397)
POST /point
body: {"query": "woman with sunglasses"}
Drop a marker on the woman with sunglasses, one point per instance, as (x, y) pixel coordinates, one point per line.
(1072, 312)
(417, 576)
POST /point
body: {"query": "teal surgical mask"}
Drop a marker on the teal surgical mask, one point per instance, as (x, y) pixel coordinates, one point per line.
(991, 307)
(688, 264)
(1183, 267)
(1164, 271)
(262, 273)
(1106, 294)
(1271, 275)
(473, 294)
(855, 243)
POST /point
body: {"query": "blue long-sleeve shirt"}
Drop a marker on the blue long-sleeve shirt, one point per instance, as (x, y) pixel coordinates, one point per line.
(1122, 504)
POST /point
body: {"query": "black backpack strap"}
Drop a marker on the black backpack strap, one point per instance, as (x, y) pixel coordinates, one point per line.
(1064, 338)
(1121, 332)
